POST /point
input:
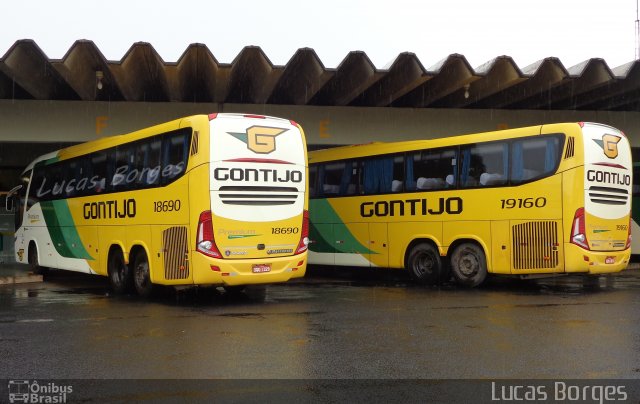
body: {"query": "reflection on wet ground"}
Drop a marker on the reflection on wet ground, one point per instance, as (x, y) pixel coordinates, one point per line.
(345, 324)
(62, 286)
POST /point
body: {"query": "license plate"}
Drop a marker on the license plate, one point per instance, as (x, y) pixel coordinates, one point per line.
(610, 260)
(261, 268)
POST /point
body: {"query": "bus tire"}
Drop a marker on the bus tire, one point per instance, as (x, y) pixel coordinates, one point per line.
(469, 265)
(34, 265)
(424, 264)
(141, 275)
(119, 273)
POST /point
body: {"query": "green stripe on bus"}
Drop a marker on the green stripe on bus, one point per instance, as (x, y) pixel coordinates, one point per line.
(62, 230)
(321, 208)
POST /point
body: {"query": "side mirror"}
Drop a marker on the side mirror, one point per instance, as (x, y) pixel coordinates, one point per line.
(9, 201)
(8, 204)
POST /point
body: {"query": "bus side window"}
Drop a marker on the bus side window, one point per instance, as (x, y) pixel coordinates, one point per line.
(409, 169)
(397, 185)
(98, 180)
(75, 170)
(335, 179)
(124, 177)
(378, 175)
(313, 179)
(147, 162)
(485, 164)
(432, 170)
(331, 178)
(350, 181)
(534, 158)
(40, 185)
(175, 149)
(54, 176)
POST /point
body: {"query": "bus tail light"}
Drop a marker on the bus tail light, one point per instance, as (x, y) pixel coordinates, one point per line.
(578, 233)
(204, 239)
(629, 237)
(304, 234)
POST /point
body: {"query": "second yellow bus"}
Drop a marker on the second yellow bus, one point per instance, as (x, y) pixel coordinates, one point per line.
(538, 200)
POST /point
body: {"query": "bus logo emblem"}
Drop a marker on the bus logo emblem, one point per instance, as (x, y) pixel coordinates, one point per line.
(609, 144)
(259, 139)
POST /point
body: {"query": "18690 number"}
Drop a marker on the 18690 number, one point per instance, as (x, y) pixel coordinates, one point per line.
(285, 230)
(167, 206)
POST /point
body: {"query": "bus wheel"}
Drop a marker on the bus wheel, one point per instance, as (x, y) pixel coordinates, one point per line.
(469, 265)
(34, 265)
(119, 273)
(424, 264)
(141, 276)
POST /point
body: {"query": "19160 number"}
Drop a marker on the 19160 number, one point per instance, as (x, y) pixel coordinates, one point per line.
(167, 206)
(526, 203)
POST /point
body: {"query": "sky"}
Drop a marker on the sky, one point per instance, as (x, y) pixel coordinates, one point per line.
(481, 30)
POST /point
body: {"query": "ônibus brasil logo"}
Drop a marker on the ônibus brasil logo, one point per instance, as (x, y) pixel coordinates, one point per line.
(28, 391)
(259, 139)
(609, 144)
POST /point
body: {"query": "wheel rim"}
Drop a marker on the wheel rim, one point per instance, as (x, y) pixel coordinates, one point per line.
(423, 265)
(142, 274)
(119, 273)
(469, 265)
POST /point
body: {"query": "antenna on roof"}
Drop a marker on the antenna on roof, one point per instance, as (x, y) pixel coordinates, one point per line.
(637, 33)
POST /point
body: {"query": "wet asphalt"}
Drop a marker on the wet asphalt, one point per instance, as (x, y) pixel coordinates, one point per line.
(329, 325)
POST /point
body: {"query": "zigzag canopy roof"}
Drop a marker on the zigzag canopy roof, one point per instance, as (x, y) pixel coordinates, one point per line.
(26, 73)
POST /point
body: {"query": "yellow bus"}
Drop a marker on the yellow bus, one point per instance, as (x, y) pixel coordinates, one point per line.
(216, 199)
(531, 201)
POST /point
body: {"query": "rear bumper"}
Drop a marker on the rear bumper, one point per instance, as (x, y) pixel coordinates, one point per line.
(240, 272)
(595, 262)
